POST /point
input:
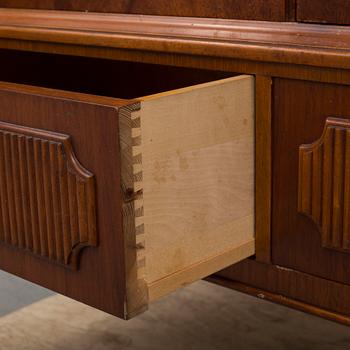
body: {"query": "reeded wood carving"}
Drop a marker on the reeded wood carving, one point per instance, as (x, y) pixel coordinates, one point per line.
(324, 183)
(47, 198)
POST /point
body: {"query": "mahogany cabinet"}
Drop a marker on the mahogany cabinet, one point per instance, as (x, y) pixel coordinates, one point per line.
(141, 153)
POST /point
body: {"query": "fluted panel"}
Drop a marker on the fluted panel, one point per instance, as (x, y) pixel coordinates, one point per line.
(324, 183)
(47, 198)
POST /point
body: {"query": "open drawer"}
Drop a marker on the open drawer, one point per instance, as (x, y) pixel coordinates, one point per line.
(117, 202)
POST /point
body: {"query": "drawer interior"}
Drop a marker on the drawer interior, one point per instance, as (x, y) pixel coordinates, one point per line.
(125, 80)
(186, 162)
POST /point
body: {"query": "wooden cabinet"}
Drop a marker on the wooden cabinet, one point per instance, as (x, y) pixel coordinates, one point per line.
(118, 202)
(201, 143)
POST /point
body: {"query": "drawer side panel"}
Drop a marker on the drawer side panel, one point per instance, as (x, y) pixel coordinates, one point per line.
(198, 178)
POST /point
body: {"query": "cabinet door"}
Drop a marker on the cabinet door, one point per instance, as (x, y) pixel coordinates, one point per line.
(61, 216)
(311, 178)
(330, 11)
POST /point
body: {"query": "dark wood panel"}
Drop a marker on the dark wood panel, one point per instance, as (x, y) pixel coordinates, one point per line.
(300, 113)
(268, 10)
(263, 167)
(290, 10)
(93, 129)
(231, 281)
(325, 294)
(330, 11)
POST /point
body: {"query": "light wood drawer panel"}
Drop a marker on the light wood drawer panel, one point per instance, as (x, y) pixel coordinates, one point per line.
(116, 203)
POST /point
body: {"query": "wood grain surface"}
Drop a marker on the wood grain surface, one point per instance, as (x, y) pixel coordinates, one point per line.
(263, 167)
(132, 209)
(281, 299)
(330, 11)
(263, 10)
(318, 45)
(93, 128)
(47, 197)
(198, 176)
(324, 183)
(301, 110)
(311, 291)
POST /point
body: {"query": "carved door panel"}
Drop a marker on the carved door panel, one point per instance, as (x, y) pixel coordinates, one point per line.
(311, 178)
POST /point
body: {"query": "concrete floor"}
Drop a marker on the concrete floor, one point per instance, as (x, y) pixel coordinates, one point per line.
(202, 316)
(16, 293)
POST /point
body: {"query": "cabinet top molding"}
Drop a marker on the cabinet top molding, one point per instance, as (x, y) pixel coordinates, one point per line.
(294, 43)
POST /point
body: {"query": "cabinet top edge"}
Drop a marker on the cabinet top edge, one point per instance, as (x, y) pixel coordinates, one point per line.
(67, 95)
(282, 42)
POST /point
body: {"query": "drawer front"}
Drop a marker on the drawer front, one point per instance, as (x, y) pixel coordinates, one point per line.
(310, 178)
(60, 219)
(330, 11)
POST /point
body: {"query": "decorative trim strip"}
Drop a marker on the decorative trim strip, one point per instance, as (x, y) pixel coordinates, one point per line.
(324, 183)
(322, 46)
(47, 198)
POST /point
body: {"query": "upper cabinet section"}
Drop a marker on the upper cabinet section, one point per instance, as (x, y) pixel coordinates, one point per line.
(308, 11)
(261, 10)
